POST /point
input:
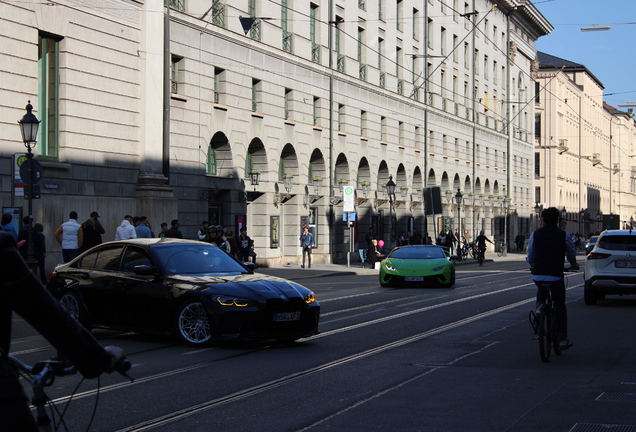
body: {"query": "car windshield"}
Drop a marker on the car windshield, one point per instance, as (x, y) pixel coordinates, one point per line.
(197, 259)
(417, 253)
(592, 240)
(618, 242)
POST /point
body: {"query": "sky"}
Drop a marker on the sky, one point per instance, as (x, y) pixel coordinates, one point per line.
(609, 55)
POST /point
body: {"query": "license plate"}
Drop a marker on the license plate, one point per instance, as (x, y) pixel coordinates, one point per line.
(625, 264)
(287, 316)
(414, 279)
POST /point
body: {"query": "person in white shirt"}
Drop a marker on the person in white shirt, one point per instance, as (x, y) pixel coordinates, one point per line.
(126, 230)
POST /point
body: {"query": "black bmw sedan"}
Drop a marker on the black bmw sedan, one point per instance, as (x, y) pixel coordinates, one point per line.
(190, 289)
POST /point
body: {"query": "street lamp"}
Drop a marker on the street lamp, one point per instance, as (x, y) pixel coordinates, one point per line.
(287, 181)
(29, 128)
(254, 178)
(390, 191)
(458, 199)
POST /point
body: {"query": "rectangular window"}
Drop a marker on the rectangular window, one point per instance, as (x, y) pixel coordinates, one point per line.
(341, 117)
(256, 95)
(537, 164)
(467, 17)
(455, 11)
(219, 86)
(380, 54)
(537, 92)
(284, 24)
(485, 67)
(398, 62)
(429, 33)
(455, 50)
(466, 55)
(316, 110)
(48, 95)
(401, 133)
(361, 56)
(175, 66)
(381, 10)
(398, 15)
(537, 126)
(418, 137)
(537, 194)
(363, 123)
(288, 103)
(485, 31)
(476, 61)
(416, 24)
(255, 30)
(313, 36)
(494, 72)
(443, 41)
(383, 128)
(494, 35)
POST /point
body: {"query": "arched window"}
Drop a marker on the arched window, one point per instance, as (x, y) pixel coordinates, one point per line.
(210, 167)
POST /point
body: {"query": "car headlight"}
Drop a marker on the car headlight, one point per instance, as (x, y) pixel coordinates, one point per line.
(310, 298)
(440, 268)
(389, 267)
(233, 301)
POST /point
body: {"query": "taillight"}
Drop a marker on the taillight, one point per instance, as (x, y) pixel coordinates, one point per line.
(52, 275)
(597, 255)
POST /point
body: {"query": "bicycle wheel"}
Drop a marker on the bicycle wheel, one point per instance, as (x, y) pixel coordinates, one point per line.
(545, 336)
(501, 249)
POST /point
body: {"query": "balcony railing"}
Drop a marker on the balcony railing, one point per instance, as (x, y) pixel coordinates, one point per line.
(287, 41)
(174, 86)
(340, 63)
(315, 52)
(178, 5)
(400, 86)
(218, 14)
(363, 72)
(255, 31)
(382, 79)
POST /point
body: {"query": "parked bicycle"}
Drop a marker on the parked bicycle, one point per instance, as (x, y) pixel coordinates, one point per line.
(543, 322)
(501, 247)
(42, 375)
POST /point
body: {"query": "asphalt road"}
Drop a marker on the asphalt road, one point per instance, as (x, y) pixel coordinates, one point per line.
(426, 359)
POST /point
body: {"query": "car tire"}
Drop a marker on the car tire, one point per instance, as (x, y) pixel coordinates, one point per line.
(452, 278)
(589, 296)
(74, 305)
(192, 324)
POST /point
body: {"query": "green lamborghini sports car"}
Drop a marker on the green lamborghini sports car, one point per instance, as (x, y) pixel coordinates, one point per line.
(418, 265)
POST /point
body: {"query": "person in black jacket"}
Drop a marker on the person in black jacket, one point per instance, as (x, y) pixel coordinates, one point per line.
(546, 249)
(22, 292)
(38, 245)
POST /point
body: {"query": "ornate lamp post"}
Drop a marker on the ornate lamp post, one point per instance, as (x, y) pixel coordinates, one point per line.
(29, 125)
(458, 199)
(390, 191)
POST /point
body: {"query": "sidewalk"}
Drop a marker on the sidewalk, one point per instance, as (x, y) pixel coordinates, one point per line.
(341, 269)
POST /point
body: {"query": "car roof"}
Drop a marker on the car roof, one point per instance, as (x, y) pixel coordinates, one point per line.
(155, 241)
(618, 233)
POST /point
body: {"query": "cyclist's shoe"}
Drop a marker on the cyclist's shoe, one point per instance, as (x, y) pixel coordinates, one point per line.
(565, 344)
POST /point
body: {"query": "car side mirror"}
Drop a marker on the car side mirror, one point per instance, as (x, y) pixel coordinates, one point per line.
(454, 257)
(145, 270)
(250, 266)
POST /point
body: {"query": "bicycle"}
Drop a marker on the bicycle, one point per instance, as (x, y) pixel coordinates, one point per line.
(502, 248)
(480, 256)
(544, 324)
(42, 375)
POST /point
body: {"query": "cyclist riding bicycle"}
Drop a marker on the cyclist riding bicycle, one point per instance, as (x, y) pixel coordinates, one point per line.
(546, 249)
(22, 292)
(481, 243)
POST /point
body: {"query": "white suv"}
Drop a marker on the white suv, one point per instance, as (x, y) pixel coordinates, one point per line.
(611, 266)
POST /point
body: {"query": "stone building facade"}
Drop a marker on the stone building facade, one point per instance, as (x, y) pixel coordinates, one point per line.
(584, 155)
(167, 114)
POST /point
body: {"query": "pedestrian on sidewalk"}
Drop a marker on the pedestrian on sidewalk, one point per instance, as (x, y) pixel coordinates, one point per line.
(6, 224)
(306, 240)
(142, 230)
(174, 231)
(71, 236)
(91, 236)
(98, 225)
(246, 247)
(126, 230)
